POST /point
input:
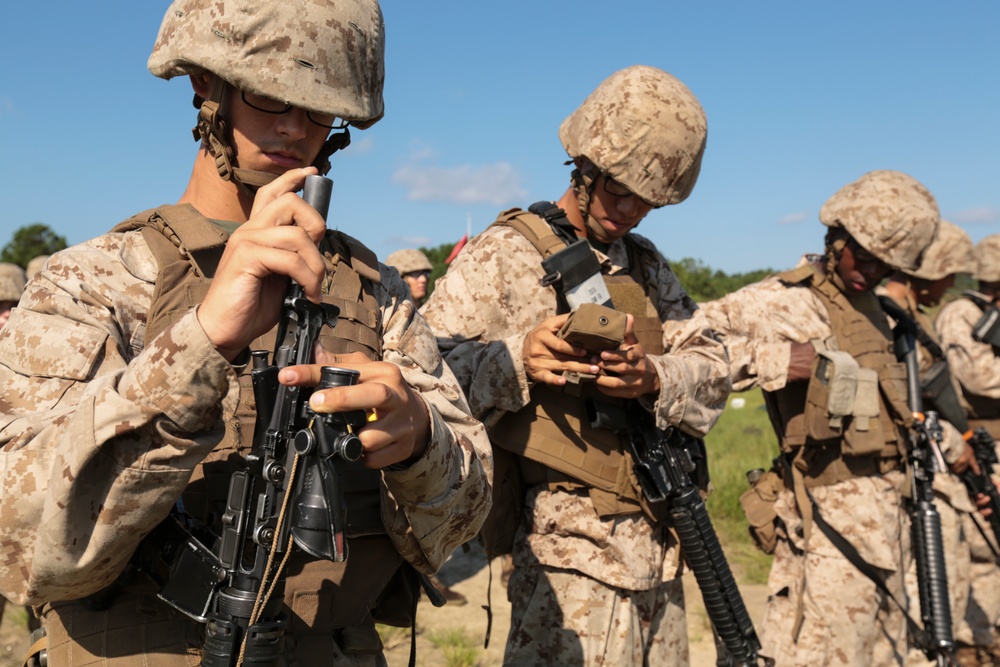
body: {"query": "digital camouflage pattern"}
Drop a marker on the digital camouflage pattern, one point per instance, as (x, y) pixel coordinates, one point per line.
(100, 434)
(12, 281)
(974, 364)
(949, 253)
(845, 620)
(316, 55)
(889, 213)
(408, 260)
(594, 624)
(976, 367)
(644, 128)
(987, 255)
(35, 265)
(481, 311)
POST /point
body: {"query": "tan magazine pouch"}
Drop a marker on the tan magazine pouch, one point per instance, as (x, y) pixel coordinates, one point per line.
(758, 505)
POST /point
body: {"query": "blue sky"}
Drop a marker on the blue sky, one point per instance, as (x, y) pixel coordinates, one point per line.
(801, 98)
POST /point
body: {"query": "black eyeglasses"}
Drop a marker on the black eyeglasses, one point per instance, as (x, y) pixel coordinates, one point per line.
(268, 105)
(617, 189)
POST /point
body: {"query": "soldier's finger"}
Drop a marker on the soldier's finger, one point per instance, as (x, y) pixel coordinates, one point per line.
(290, 181)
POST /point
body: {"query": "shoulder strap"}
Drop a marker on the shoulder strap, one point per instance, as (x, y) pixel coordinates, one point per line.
(797, 275)
(544, 224)
(976, 298)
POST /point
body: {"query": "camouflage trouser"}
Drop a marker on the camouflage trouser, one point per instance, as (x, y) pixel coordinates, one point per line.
(561, 617)
(140, 625)
(957, 560)
(983, 612)
(846, 621)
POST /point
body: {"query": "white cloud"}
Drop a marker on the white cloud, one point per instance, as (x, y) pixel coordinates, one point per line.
(496, 184)
(409, 241)
(981, 214)
(794, 218)
(362, 145)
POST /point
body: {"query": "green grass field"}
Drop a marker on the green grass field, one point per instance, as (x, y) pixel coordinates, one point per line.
(741, 440)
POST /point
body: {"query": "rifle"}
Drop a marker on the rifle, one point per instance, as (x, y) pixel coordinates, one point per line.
(938, 393)
(924, 455)
(266, 516)
(663, 462)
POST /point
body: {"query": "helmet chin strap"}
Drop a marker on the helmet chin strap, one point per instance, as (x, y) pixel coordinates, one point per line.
(213, 131)
(583, 185)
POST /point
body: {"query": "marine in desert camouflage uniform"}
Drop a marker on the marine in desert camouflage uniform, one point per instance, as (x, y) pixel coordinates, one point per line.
(12, 280)
(916, 291)
(976, 367)
(595, 579)
(117, 400)
(821, 610)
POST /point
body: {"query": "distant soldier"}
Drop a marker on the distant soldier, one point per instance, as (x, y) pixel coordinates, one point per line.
(415, 268)
(975, 363)
(12, 282)
(915, 292)
(597, 570)
(789, 335)
(35, 265)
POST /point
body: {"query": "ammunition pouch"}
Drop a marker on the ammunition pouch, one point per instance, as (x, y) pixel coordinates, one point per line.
(758, 505)
(593, 328)
(842, 402)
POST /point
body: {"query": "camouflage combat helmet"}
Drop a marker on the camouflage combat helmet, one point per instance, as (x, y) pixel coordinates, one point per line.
(987, 254)
(35, 265)
(949, 253)
(12, 282)
(318, 55)
(643, 128)
(408, 260)
(890, 214)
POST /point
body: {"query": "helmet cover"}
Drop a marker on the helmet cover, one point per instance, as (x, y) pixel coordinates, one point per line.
(949, 253)
(324, 56)
(889, 213)
(642, 127)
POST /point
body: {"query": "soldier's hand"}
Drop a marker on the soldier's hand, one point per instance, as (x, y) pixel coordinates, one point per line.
(628, 372)
(800, 361)
(966, 460)
(278, 242)
(401, 426)
(546, 356)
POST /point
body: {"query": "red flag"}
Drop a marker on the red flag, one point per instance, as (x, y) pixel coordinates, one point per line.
(457, 249)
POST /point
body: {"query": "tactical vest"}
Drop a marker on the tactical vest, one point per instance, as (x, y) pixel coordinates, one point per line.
(187, 248)
(983, 411)
(552, 433)
(825, 451)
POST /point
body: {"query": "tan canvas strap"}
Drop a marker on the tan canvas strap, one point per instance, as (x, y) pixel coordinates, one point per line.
(534, 228)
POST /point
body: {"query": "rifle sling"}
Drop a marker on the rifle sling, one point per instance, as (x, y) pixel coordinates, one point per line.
(863, 566)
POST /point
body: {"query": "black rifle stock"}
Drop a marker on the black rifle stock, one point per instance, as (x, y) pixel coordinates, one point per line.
(663, 462)
(923, 456)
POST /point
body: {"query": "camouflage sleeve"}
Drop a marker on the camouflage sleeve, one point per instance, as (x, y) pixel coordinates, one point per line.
(98, 439)
(758, 324)
(439, 501)
(693, 371)
(481, 311)
(975, 365)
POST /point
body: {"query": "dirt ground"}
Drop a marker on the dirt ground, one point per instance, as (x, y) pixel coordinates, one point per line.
(468, 574)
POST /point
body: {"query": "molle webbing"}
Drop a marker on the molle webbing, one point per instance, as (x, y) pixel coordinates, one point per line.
(553, 430)
(860, 329)
(187, 249)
